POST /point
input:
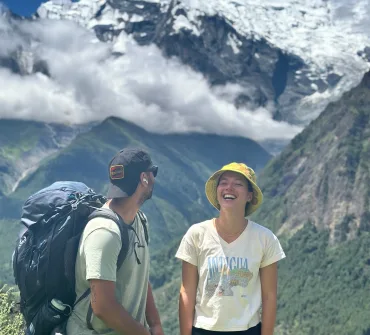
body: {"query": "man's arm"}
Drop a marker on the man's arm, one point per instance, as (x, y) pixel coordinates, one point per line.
(187, 297)
(269, 293)
(152, 315)
(106, 308)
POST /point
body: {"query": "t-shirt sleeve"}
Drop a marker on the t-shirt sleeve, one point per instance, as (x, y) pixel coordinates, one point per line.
(101, 249)
(187, 250)
(273, 251)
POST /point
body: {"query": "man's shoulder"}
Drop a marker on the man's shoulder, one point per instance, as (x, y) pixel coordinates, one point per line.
(101, 223)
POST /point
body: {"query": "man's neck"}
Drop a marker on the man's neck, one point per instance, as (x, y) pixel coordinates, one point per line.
(127, 209)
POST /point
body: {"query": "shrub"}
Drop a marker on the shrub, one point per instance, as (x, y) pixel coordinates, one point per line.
(11, 320)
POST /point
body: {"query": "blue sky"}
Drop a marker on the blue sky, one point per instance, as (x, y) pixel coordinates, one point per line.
(22, 7)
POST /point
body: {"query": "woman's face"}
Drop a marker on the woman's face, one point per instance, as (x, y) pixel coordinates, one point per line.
(232, 191)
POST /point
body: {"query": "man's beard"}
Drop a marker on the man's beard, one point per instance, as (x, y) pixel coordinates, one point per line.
(149, 195)
(146, 196)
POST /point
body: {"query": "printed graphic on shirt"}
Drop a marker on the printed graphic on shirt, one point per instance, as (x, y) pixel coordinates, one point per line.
(224, 273)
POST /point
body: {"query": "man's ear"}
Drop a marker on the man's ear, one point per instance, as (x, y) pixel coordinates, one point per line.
(144, 179)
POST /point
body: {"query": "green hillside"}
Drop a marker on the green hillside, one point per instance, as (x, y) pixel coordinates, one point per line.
(324, 289)
(16, 139)
(185, 162)
(23, 146)
(317, 198)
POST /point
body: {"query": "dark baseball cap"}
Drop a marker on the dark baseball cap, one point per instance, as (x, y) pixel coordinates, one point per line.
(125, 169)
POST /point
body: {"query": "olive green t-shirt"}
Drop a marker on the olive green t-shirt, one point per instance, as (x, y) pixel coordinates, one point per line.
(97, 255)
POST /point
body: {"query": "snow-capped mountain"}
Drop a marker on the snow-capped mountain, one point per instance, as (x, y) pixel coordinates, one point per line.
(297, 54)
(261, 70)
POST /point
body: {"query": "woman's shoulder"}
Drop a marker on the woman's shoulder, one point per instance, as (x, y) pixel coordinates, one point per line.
(200, 227)
(261, 230)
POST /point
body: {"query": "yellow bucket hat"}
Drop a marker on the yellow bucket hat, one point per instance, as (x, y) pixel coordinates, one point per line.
(247, 172)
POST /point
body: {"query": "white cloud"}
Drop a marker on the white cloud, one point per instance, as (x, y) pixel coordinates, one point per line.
(89, 84)
(352, 15)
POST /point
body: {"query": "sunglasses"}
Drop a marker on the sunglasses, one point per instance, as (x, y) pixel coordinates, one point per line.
(154, 170)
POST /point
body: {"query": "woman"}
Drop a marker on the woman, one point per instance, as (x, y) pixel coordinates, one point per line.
(229, 268)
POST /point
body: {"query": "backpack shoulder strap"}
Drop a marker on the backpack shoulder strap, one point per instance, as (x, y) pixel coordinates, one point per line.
(144, 222)
(109, 214)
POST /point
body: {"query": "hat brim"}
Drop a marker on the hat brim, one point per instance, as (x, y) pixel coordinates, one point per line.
(211, 191)
(116, 192)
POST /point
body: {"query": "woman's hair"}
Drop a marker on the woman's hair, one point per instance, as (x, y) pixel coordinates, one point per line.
(250, 187)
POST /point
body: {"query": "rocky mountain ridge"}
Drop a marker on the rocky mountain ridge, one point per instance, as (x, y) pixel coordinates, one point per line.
(279, 57)
(279, 54)
(323, 175)
(25, 144)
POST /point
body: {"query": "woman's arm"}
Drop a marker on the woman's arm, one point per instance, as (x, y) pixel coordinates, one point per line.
(188, 293)
(269, 292)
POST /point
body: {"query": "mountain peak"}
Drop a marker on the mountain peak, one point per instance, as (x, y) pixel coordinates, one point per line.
(316, 53)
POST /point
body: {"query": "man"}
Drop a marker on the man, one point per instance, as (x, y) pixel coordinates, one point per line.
(121, 300)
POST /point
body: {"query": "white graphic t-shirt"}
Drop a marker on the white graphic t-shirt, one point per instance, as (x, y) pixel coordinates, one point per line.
(229, 288)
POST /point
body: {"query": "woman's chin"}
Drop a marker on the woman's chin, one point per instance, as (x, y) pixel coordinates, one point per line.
(228, 206)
